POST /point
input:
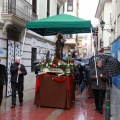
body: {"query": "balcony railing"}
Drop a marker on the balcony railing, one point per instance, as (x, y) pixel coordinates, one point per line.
(20, 8)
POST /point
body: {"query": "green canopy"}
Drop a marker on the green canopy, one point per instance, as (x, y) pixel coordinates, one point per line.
(63, 23)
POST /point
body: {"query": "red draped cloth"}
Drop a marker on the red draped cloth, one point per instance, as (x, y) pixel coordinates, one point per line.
(56, 78)
(54, 91)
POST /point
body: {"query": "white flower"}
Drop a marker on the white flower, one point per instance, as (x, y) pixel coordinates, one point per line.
(47, 65)
(63, 63)
(68, 65)
(50, 63)
(59, 63)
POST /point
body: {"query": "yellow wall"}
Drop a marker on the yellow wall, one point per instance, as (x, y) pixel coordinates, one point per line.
(80, 46)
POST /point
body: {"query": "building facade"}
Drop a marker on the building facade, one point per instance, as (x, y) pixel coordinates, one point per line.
(115, 41)
(80, 46)
(71, 7)
(103, 13)
(86, 44)
(13, 18)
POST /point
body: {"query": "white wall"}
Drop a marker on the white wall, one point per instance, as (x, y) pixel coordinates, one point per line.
(53, 7)
(106, 34)
(42, 8)
(65, 49)
(1, 5)
(74, 12)
(105, 16)
(115, 18)
(3, 44)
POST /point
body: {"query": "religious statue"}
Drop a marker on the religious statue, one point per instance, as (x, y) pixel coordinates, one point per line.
(59, 46)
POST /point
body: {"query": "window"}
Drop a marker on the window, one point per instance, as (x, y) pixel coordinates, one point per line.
(34, 6)
(48, 8)
(70, 5)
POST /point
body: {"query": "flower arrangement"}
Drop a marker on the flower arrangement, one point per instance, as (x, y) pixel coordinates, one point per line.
(62, 64)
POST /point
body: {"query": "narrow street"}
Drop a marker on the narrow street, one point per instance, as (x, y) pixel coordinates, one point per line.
(48, 46)
(82, 109)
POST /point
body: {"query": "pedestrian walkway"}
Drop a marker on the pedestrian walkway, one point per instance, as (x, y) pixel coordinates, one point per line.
(82, 109)
(115, 103)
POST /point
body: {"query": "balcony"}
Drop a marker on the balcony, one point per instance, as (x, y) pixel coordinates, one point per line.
(18, 12)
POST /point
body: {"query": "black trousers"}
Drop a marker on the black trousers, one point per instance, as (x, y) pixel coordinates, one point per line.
(1, 93)
(17, 87)
(99, 96)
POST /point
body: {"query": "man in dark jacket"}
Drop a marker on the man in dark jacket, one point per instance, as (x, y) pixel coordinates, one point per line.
(99, 90)
(17, 81)
(3, 80)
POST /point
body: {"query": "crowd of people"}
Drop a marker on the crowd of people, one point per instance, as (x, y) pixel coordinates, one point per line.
(82, 74)
(89, 76)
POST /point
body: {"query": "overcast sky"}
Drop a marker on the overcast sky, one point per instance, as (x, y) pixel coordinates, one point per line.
(87, 10)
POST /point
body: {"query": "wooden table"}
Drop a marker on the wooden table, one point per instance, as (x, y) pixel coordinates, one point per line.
(54, 91)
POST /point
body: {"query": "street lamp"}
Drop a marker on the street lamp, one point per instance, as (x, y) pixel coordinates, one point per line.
(101, 42)
(102, 24)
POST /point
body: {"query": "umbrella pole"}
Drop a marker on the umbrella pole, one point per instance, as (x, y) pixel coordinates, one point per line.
(93, 50)
(22, 51)
(95, 68)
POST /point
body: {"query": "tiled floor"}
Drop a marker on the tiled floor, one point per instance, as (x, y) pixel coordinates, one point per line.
(82, 109)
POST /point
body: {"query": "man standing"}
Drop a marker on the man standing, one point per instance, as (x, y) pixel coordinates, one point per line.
(17, 71)
(99, 90)
(3, 80)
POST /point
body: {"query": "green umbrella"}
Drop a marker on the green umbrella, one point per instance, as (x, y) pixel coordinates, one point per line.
(63, 23)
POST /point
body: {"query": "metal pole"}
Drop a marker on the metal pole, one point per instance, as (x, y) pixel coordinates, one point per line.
(93, 51)
(95, 68)
(107, 108)
(21, 53)
(102, 37)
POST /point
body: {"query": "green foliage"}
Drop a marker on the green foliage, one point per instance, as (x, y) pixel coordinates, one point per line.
(63, 65)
